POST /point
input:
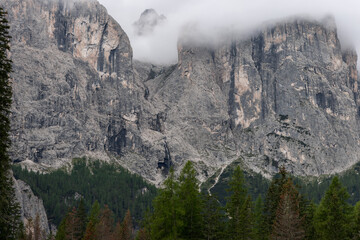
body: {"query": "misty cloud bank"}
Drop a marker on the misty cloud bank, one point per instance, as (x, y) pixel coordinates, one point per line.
(210, 20)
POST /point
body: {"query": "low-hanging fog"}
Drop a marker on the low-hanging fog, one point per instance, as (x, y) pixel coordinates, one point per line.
(210, 19)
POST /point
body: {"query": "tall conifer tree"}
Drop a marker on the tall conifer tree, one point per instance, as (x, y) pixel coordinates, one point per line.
(190, 202)
(10, 224)
(288, 224)
(167, 216)
(272, 200)
(333, 218)
(239, 208)
(213, 218)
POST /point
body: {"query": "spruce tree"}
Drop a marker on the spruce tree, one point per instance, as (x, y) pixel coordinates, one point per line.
(191, 203)
(145, 230)
(213, 218)
(82, 217)
(259, 233)
(73, 225)
(356, 226)
(90, 232)
(333, 218)
(60, 234)
(310, 232)
(10, 223)
(288, 224)
(126, 227)
(167, 216)
(105, 227)
(272, 200)
(239, 208)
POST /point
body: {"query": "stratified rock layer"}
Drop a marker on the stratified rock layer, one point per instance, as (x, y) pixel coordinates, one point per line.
(288, 95)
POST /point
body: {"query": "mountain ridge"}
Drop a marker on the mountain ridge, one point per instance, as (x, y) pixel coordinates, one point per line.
(285, 96)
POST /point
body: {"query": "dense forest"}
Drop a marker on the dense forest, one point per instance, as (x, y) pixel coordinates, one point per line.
(312, 187)
(89, 180)
(249, 206)
(181, 211)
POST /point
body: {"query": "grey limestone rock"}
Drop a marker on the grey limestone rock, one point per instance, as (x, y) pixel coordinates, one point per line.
(31, 206)
(287, 95)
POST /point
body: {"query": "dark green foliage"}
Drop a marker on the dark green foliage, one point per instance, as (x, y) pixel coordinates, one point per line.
(90, 232)
(10, 224)
(272, 200)
(82, 216)
(309, 221)
(333, 217)
(93, 180)
(315, 189)
(356, 226)
(213, 218)
(239, 208)
(167, 216)
(190, 203)
(259, 232)
(254, 182)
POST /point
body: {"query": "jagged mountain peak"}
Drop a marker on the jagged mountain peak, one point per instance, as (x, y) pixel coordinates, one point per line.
(148, 21)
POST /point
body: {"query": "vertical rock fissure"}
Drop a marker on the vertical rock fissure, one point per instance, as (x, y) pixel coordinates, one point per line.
(100, 63)
(233, 54)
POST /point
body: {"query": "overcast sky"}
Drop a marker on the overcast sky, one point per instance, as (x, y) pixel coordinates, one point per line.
(208, 15)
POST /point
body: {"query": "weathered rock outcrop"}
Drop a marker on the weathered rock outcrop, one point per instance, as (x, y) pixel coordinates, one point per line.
(288, 95)
(31, 206)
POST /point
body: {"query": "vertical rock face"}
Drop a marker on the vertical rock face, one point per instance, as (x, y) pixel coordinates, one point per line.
(31, 206)
(73, 81)
(292, 96)
(288, 95)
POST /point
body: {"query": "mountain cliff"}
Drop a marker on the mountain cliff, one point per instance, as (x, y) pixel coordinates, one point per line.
(287, 95)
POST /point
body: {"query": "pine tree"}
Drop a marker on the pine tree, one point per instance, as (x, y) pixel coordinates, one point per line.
(310, 232)
(213, 218)
(259, 219)
(356, 227)
(288, 224)
(81, 217)
(60, 234)
(166, 221)
(272, 200)
(191, 203)
(10, 223)
(126, 227)
(73, 225)
(90, 232)
(333, 216)
(105, 227)
(239, 208)
(145, 230)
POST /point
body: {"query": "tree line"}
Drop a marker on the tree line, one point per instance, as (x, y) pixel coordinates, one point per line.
(182, 211)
